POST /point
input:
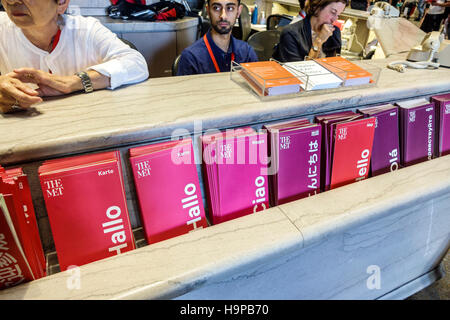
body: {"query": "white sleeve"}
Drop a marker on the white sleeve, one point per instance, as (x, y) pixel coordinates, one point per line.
(119, 62)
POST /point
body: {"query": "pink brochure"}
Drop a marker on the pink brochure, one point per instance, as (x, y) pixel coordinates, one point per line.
(168, 190)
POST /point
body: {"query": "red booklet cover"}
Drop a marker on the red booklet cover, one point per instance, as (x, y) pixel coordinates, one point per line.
(168, 189)
(14, 267)
(15, 182)
(295, 160)
(326, 120)
(352, 149)
(86, 206)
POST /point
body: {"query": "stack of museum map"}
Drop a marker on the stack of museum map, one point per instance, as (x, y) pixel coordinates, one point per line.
(268, 78)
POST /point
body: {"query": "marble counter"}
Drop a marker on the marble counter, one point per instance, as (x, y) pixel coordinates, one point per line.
(155, 108)
(349, 12)
(88, 7)
(324, 246)
(398, 35)
(329, 246)
(293, 3)
(126, 26)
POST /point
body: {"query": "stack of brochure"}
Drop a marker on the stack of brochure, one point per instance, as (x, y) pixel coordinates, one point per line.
(417, 125)
(21, 255)
(442, 136)
(386, 144)
(346, 147)
(295, 148)
(86, 207)
(235, 170)
(168, 189)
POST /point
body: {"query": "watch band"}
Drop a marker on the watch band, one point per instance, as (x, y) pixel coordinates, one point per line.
(316, 45)
(85, 81)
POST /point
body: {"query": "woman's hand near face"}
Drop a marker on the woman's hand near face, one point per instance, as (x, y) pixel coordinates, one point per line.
(14, 92)
(326, 30)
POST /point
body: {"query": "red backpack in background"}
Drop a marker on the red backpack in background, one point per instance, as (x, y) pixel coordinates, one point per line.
(138, 10)
(114, 2)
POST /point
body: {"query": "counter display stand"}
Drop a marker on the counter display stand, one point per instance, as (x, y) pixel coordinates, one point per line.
(380, 238)
(260, 86)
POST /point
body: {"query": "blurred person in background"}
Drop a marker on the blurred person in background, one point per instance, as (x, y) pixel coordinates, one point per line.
(313, 37)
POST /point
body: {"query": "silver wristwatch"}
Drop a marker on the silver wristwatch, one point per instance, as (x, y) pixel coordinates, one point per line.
(85, 81)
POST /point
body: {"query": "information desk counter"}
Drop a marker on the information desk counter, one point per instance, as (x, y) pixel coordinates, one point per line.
(383, 237)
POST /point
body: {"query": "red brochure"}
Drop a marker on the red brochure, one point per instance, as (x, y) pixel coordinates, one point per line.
(86, 207)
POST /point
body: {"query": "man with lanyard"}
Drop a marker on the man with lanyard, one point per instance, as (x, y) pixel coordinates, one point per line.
(217, 48)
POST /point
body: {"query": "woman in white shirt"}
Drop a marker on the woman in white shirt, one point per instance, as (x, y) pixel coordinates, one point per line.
(59, 53)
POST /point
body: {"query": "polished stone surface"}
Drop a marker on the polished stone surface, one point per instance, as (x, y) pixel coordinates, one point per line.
(349, 12)
(169, 268)
(275, 255)
(320, 247)
(396, 196)
(349, 234)
(398, 35)
(124, 26)
(155, 108)
(90, 3)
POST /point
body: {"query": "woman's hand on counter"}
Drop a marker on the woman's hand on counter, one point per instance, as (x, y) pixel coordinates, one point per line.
(49, 84)
(15, 94)
(54, 85)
